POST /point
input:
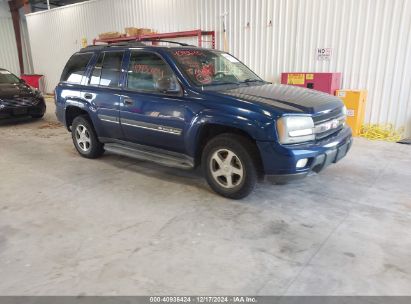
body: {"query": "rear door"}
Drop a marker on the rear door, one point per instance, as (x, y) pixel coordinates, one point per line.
(103, 90)
(148, 115)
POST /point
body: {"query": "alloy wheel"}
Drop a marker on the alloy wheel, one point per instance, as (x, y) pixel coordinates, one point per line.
(83, 138)
(226, 168)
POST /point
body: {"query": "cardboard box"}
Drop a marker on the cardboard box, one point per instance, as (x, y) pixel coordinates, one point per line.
(135, 31)
(109, 35)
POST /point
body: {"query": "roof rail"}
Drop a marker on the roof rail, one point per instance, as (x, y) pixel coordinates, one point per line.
(92, 48)
(126, 43)
(117, 44)
(169, 41)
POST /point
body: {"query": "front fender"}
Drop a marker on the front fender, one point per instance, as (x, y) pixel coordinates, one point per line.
(257, 127)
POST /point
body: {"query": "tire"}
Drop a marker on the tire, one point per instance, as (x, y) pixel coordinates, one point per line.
(85, 138)
(229, 162)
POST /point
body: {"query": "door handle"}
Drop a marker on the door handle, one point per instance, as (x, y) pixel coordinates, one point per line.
(127, 101)
(88, 96)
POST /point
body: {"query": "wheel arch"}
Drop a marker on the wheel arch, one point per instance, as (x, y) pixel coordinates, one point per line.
(72, 111)
(209, 130)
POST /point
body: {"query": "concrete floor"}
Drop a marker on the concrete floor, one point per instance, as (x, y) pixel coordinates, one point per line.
(73, 226)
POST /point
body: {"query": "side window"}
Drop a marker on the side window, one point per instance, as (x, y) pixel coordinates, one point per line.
(110, 69)
(146, 70)
(95, 75)
(75, 67)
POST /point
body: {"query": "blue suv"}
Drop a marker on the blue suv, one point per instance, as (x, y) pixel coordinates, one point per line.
(184, 106)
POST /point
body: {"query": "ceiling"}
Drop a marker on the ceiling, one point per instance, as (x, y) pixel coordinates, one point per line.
(40, 5)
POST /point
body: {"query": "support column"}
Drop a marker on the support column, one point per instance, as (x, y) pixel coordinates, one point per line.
(15, 5)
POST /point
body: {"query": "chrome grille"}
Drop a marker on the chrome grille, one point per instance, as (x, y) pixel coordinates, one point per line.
(19, 102)
(328, 123)
(327, 116)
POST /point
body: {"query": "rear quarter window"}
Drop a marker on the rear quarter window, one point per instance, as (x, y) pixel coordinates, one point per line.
(75, 67)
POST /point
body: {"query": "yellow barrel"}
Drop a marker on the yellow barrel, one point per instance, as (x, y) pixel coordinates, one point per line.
(355, 101)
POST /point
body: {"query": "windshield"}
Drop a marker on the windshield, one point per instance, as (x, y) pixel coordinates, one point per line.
(206, 68)
(7, 77)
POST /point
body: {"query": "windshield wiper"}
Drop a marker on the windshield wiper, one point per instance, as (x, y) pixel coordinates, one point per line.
(224, 82)
(251, 80)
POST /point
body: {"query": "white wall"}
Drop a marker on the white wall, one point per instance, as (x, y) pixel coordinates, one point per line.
(371, 39)
(8, 50)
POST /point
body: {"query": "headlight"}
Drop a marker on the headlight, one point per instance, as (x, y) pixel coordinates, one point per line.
(35, 101)
(344, 117)
(295, 129)
(36, 92)
(344, 111)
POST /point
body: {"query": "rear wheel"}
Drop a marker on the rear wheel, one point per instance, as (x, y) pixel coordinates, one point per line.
(85, 138)
(229, 165)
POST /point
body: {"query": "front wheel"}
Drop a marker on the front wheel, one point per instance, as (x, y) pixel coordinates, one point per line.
(85, 138)
(228, 163)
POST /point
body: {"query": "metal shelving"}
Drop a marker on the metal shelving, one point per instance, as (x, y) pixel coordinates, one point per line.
(152, 37)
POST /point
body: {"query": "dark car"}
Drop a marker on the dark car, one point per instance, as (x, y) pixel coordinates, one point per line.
(187, 106)
(19, 99)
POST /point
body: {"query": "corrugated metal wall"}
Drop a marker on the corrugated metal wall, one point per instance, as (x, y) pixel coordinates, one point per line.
(371, 39)
(56, 34)
(8, 49)
(25, 44)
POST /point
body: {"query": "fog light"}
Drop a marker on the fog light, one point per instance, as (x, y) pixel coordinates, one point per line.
(301, 163)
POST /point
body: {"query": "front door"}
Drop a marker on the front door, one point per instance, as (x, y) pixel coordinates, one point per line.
(149, 114)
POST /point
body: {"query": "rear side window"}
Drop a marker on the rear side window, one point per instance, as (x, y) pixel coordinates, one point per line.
(75, 67)
(106, 72)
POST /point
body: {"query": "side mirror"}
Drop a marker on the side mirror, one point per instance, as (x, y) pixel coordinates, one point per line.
(168, 85)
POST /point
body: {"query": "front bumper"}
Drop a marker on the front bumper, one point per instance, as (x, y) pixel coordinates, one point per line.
(9, 111)
(279, 161)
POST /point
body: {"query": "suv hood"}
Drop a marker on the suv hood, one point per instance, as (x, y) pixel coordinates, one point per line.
(286, 98)
(15, 90)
